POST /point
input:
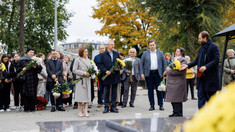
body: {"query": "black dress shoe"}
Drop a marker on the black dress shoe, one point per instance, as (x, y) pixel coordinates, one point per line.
(194, 98)
(114, 110)
(52, 109)
(75, 107)
(123, 105)
(172, 115)
(106, 110)
(61, 108)
(151, 108)
(120, 104)
(131, 105)
(161, 108)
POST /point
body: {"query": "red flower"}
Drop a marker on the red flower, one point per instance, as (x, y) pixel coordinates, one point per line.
(41, 102)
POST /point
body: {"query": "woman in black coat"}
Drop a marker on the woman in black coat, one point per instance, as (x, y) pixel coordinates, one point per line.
(30, 81)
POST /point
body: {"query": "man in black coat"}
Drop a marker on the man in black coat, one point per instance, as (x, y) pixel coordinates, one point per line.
(55, 71)
(107, 61)
(208, 70)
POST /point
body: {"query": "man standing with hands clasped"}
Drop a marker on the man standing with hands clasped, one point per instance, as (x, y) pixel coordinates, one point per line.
(152, 66)
(107, 61)
(208, 68)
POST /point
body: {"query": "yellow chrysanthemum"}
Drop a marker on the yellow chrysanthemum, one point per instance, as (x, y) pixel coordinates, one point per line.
(177, 65)
(217, 115)
(92, 62)
(121, 62)
(2, 67)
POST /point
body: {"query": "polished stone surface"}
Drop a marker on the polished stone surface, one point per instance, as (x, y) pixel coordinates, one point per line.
(127, 125)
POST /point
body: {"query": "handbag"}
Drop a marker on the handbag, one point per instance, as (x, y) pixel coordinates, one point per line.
(233, 75)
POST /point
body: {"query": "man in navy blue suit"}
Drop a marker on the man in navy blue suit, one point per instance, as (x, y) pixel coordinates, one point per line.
(152, 67)
(107, 61)
(208, 68)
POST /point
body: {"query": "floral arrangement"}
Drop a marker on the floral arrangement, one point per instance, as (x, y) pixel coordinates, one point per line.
(66, 89)
(56, 90)
(34, 61)
(175, 65)
(217, 115)
(2, 68)
(118, 64)
(128, 63)
(92, 70)
(162, 86)
(41, 102)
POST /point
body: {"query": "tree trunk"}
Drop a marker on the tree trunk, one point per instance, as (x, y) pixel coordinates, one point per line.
(22, 11)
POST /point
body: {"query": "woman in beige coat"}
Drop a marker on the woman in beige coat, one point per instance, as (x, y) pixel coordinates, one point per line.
(229, 67)
(176, 90)
(83, 87)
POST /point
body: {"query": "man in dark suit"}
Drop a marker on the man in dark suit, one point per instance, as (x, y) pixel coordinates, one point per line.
(55, 71)
(152, 67)
(100, 88)
(208, 68)
(135, 77)
(107, 61)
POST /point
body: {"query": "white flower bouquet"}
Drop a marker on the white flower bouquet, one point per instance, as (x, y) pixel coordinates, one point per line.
(129, 62)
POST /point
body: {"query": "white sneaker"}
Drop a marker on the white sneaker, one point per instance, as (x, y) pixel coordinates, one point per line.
(21, 108)
(7, 110)
(17, 108)
(1, 110)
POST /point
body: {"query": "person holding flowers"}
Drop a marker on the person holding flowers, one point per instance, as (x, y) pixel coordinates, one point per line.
(81, 68)
(28, 69)
(109, 67)
(54, 68)
(131, 76)
(176, 90)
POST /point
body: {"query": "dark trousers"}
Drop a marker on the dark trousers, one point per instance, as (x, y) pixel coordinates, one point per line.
(58, 100)
(177, 108)
(153, 81)
(133, 85)
(100, 91)
(122, 92)
(5, 96)
(107, 93)
(29, 103)
(18, 92)
(190, 83)
(203, 96)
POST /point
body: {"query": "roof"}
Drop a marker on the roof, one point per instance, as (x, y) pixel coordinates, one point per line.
(227, 31)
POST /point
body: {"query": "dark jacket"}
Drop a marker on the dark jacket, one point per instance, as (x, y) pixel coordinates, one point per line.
(210, 78)
(31, 77)
(13, 74)
(106, 64)
(51, 69)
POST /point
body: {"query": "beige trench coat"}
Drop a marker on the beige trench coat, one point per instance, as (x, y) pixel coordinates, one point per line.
(83, 87)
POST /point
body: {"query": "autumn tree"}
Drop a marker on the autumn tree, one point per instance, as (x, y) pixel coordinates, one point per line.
(127, 22)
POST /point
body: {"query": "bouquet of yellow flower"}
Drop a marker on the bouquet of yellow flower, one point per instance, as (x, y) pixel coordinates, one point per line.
(129, 62)
(92, 70)
(175, 65)
(56, 90)
(218, 115)
(2, 68)
(34, 61)
(66, 89)
(118, 64)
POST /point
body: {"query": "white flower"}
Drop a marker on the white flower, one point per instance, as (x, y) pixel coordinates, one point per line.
(162, 87)
(129, 59)
(56, 94)
(37, 60)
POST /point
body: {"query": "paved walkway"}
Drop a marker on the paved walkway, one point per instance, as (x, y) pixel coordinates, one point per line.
(20, 121)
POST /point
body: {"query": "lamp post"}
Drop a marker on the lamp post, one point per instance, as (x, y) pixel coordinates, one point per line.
(55, 24)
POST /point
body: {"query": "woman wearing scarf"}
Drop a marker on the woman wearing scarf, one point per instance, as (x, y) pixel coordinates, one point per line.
(176, 91)
(229, 67)
(30, 81)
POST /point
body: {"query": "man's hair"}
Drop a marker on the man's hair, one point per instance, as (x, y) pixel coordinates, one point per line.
(132, 49)
(205, 34)
(121, 54)
(53, 50)
(152, 41)
(30, 49)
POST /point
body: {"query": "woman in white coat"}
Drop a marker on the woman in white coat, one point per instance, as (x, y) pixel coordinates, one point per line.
(83, 87)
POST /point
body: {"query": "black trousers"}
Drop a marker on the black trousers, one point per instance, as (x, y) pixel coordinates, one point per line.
(190, 83)
(113, 95)
(5, 96)
(18, 92)
(29, 103)
(177, 108)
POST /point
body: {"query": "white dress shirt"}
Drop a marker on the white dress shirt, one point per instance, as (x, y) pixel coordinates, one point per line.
(154, 63)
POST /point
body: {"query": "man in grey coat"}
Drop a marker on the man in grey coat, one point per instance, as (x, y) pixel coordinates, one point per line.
(55, 71)
(152, 67)
(135, 77)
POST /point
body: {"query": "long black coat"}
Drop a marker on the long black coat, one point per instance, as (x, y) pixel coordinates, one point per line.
(106, 64)
(31, 77)
(210, 78)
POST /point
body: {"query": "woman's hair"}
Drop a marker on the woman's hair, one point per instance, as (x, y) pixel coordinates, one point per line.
(121, 54)
(231, 50)
(168, 54)
(182, 51)
(4, 56)
(81, 51)
(39, 55)
(13, 55)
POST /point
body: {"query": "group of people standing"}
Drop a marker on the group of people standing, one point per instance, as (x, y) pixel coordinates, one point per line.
(152, 67)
